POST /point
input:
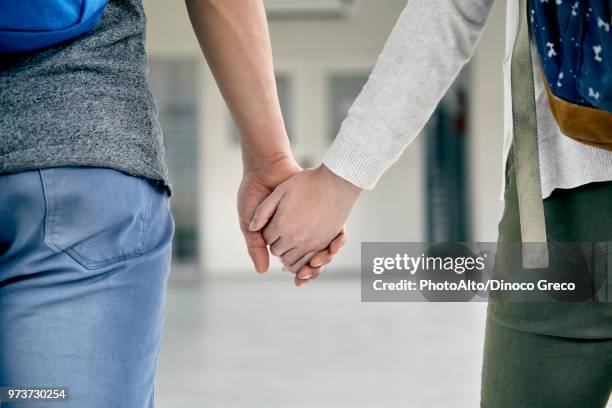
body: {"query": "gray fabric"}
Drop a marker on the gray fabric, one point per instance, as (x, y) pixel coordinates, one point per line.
(84, 103)
(431, 42)
(533, 228)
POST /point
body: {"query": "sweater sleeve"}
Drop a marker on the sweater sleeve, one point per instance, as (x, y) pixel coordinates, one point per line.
(430, 43)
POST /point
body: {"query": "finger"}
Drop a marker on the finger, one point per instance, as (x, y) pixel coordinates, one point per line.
(299, 282)
(266, 210)
(307, 272)
(337, 243)
(316, 272)
(303, 260)
(326, 256)
(290, 257)
(258, 251)
(270, 234)
(320, 259)
(279, 247)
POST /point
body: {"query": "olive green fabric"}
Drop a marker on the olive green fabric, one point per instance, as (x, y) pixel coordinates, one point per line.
(551, 354)
(583, 214)
(528, 370)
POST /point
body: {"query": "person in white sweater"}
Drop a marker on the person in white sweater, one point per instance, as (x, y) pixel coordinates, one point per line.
(431, 42)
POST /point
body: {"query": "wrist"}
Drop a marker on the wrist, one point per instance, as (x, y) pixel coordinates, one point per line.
(270, 169)
(265, 146)
(340, 183)
(253, 161)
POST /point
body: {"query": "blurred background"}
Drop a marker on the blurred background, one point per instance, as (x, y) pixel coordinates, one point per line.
(235, 339)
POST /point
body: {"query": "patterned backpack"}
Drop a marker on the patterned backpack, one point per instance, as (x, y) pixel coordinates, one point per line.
(574, 54)
(574, 44)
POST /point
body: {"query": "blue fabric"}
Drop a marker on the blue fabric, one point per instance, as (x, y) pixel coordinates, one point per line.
(84, 261)
(33, 24)
(574, 42)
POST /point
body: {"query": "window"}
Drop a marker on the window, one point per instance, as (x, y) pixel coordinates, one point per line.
(445, 173)
(343, 90)
(174, 84)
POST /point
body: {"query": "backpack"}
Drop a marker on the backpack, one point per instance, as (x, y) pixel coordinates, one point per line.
(27, 25)
(574, 43)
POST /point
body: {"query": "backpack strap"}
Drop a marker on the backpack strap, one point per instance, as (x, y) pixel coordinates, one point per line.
(531, 206)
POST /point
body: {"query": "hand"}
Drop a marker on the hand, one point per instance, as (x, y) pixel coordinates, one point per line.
(313, 269)
(257, 184)
(303, 214)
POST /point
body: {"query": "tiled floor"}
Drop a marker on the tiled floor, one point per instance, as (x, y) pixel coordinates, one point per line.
(260, 342)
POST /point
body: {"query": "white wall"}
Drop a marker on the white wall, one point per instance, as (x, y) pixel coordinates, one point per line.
(486, 125)
(307, 50)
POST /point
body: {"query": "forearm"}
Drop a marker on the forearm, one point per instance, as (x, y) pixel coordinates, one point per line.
(234, 37)
(427, 48)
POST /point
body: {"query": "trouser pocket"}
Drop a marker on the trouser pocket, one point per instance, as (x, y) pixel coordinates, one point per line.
(101, 216)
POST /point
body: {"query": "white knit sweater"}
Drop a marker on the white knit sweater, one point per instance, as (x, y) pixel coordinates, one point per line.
(431, 42)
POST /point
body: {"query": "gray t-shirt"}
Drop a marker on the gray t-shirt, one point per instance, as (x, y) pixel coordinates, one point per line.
(86, 102)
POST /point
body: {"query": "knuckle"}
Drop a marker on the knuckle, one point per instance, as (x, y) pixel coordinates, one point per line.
(293, 240)
(268, 235)
(305, 241)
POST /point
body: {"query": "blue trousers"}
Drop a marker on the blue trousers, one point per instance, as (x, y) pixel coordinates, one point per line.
(84, 261)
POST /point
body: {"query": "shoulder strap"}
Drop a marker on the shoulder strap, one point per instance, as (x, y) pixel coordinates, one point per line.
(531, 207)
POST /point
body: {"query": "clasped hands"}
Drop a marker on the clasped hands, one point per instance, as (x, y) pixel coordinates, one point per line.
(299, 214)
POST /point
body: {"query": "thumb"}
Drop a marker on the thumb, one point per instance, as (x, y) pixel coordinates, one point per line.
(266, 210)
(258, 251)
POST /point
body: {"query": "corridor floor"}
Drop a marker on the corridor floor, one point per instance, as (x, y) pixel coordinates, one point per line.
(259, 342)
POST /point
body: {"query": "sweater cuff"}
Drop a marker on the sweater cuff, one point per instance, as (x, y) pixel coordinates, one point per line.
(353, 165)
